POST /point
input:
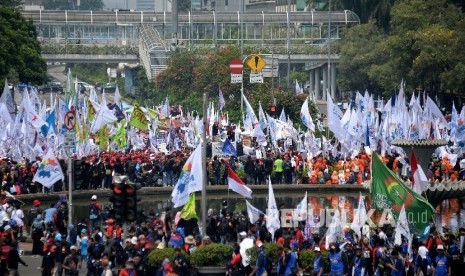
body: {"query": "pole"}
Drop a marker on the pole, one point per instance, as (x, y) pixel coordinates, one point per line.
(288, 44)
(204, 167)
(329, 49)
(70, 190)
(242, 51)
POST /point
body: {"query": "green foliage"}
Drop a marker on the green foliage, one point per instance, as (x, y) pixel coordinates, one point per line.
(214, 254)
(20, 56)
(156, 257)
(308, 256)
(271, 251)
(91, 73)
(423, 47)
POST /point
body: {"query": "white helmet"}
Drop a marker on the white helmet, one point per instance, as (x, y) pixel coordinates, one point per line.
(94, 197)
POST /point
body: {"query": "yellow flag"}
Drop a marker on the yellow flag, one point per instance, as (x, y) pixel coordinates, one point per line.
(138, 119)
(188, 212)
(103, 135)
(90, 111)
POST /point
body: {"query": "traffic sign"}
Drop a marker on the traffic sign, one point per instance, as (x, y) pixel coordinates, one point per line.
(70, 120)
(236, 66)
(256, 63)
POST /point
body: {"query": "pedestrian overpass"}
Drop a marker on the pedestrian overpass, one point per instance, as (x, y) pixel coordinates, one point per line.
(288, 35)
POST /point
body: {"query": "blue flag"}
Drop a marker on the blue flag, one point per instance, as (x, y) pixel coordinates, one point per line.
(367, 142)
(228, 148)
(51, 119)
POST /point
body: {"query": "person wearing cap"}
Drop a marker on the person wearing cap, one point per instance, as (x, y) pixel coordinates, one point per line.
(83, 242)
(318, 263)
(441, 264)
(70, 263)
(94, 213)
(32, 214)
(359, 264)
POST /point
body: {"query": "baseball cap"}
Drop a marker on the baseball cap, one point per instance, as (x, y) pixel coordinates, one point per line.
(134, 240)
(317, 249)
(73, 247)
(243, 234)
(94, 197)
(440, 247)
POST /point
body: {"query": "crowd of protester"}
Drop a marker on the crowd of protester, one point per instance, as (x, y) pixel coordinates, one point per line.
(291, 167)
(105, 248)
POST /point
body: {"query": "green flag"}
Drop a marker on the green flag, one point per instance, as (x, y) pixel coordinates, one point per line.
(188, 211)
(389, 192)
(120, 136)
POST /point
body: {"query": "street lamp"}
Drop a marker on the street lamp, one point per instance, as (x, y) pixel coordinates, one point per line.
(329, 48)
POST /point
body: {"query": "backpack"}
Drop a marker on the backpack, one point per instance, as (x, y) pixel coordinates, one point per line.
(93, 211)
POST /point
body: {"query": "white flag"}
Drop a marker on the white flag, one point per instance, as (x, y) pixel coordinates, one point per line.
(250, 112)
(252, 212)
(334, 119)
(301, 209)
(104, 116)
(402, 227)
(272, 220)
(305, 116)
(221, 101)
(49, 171)
(7, 99)
(360, 217)
(117, 97)
(190, 180)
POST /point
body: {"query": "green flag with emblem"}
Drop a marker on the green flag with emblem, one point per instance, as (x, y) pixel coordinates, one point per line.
(188, 212)
(389, 192)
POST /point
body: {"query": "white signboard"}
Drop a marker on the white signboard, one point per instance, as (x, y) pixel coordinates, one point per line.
(256, 78)
(236, 78)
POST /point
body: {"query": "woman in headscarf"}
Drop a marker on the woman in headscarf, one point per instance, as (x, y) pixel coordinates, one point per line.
(38, 227)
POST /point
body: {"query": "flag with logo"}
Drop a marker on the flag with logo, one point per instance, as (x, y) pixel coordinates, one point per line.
(272, 221)
(237, 185)
(389, 192)
(188, 211)
(360, 217)
(138, 119)
(228, 148)
(252, 212)
(49, 171)
(190, 180)
(305, 116)
(301, 209)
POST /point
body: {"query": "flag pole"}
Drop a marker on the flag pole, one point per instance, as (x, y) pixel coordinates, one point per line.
(204, 169)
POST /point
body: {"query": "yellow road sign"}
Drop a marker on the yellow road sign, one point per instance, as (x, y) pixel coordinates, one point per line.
(256, 63)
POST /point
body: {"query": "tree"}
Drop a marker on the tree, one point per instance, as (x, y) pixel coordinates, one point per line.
(20, 54)
(423, 47)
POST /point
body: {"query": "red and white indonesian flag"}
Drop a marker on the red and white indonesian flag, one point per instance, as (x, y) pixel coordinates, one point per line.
(419, 180)
(236, 184)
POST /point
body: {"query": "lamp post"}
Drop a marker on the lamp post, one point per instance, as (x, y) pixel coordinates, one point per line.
(288, 44)
(329, 48)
